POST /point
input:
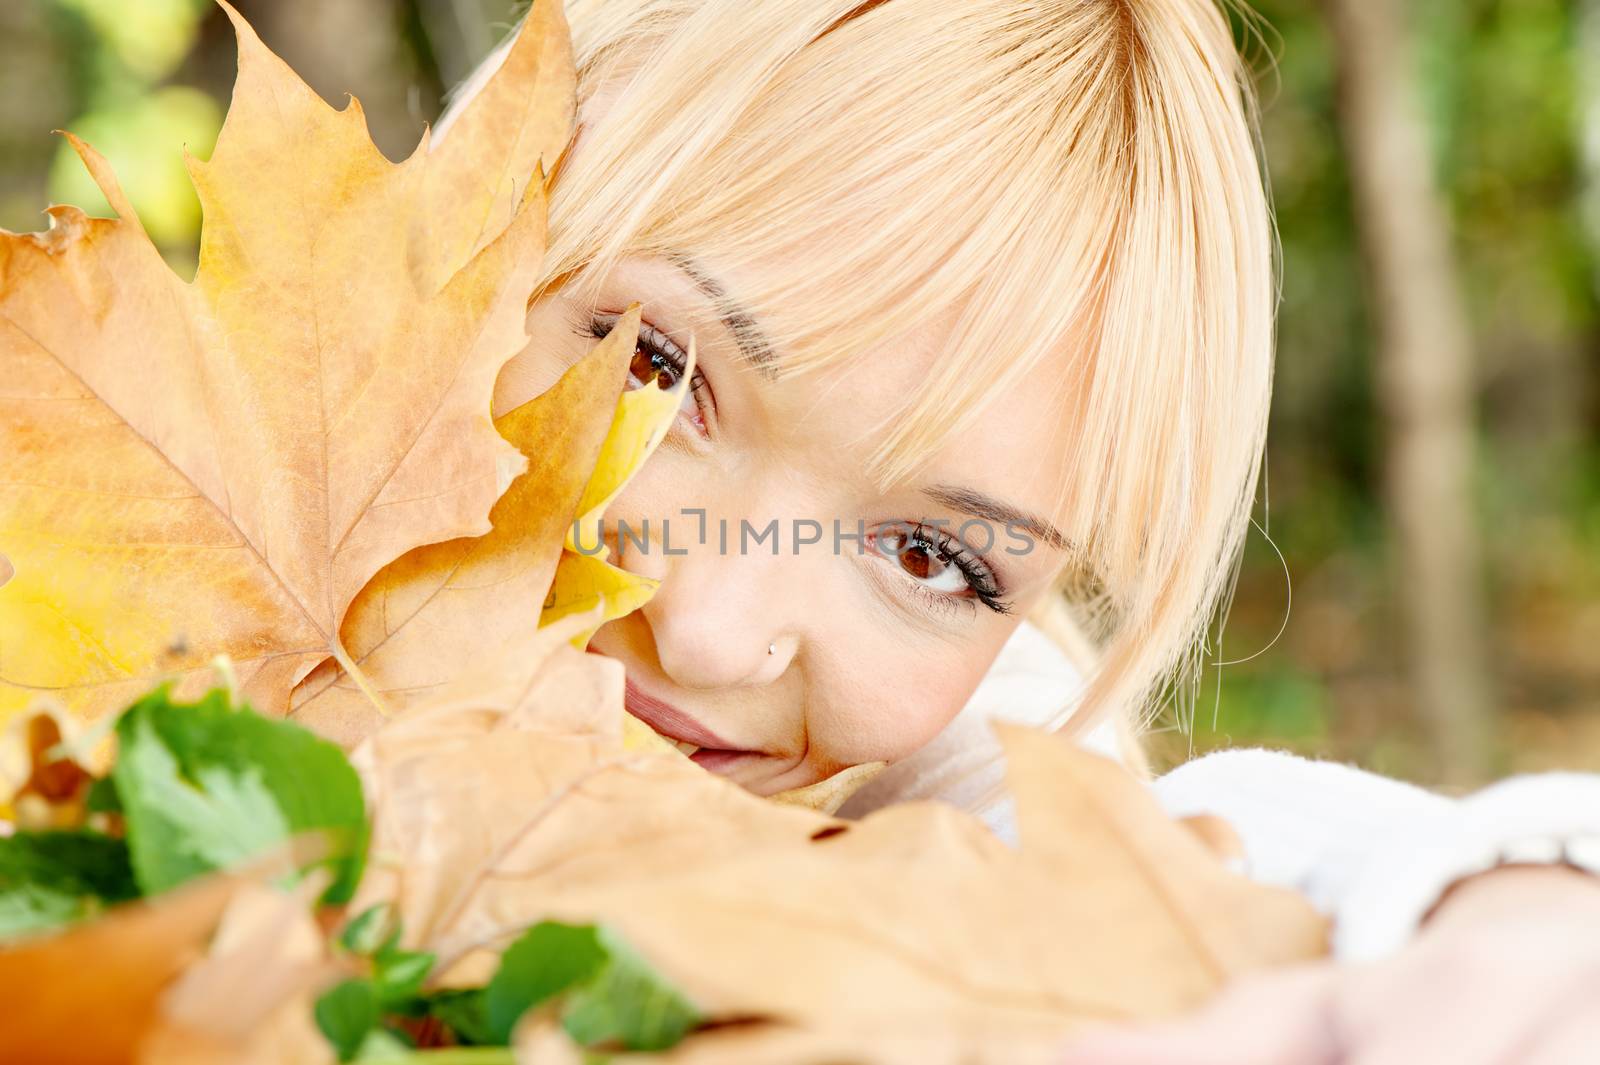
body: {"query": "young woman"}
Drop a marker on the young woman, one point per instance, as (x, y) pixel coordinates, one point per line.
(981, 294)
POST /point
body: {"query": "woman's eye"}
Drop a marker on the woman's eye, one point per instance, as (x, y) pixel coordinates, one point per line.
(658, 359)
(922, 561)
(944, 570)
(649, 365)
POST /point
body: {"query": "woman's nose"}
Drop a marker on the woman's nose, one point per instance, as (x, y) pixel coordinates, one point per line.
(722, 615)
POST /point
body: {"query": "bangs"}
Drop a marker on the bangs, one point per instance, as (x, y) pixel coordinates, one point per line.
(927, 158)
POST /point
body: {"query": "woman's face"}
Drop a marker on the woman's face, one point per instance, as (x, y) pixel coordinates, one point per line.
(877, 642)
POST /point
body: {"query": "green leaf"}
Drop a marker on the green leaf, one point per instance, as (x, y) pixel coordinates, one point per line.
(49, 879)
(628, 1002)
(399, 974)
(372, 931)
(544, 961)
(381, 1044)
(102, 797)
(205, 786)
(609, 993)
(464, 1011)
(346, 1012)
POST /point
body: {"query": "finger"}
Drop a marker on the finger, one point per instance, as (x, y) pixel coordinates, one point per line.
(1282, 1019)
(1449, 1006)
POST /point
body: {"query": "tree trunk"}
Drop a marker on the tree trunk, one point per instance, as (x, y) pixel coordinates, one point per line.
(1424, 380)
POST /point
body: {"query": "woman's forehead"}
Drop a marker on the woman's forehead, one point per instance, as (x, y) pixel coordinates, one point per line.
(1014, 446)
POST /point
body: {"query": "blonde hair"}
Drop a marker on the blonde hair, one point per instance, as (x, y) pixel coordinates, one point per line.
(1075, 180)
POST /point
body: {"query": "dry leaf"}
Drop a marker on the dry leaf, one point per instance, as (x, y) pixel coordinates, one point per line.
(517, 124)
(1086, 818)
(1218, 837)
(117, 967)
(826, 796)
(42, 785)
(219, 467)
(916, 922)
(425, 617)
(540, 1040)
(447, 774)
(773, 1043)
(249, 1000)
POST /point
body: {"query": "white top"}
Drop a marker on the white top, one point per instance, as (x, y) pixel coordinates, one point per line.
(1373, 853)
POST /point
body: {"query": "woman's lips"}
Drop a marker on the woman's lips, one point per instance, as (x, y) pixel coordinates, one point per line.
(718, 761)
(714, 752)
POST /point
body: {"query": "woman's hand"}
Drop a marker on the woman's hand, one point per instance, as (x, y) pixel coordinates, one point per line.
(1507, 970)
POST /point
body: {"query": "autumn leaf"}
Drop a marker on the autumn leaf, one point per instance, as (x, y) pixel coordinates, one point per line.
(519, 122)
(42, 784)
(247, 1000)
(777, 1043)
(584, 580)
(121, 964)
(219, 467)
(428, 853)
(914, 921)
(424, 618)
(1217, 924)
(830, 793)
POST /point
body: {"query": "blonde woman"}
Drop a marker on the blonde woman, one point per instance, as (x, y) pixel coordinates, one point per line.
(981, 294)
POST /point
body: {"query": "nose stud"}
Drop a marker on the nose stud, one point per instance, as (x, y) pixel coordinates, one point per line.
(772, 648)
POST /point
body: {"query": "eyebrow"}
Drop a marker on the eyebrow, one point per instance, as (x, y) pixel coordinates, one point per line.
(976, 503)
(735, 318)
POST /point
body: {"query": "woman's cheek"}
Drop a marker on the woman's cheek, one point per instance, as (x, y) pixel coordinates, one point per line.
(888, 710)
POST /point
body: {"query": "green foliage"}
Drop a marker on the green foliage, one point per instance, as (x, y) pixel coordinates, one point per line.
(345, 1013)
(608, 993)
(464, 1012)
(372, 931)
(627, 1003)
(206, 786)
(49, 879)
(547, 959)
(605, 993)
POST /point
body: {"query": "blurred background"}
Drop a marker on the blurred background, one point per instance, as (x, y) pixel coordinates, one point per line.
(1433, 478)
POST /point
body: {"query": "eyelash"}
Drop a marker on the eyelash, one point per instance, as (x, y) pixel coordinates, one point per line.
(980, 578)
(664, 354)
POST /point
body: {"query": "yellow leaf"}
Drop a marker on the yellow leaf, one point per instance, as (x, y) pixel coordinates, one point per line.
(584, 579)
(517, 124)
(643, 417)
(220, 467)
(424, 618)
(827, 795)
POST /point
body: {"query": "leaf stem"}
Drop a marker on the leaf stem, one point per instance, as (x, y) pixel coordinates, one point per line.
(353, 671)
(222, 669)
